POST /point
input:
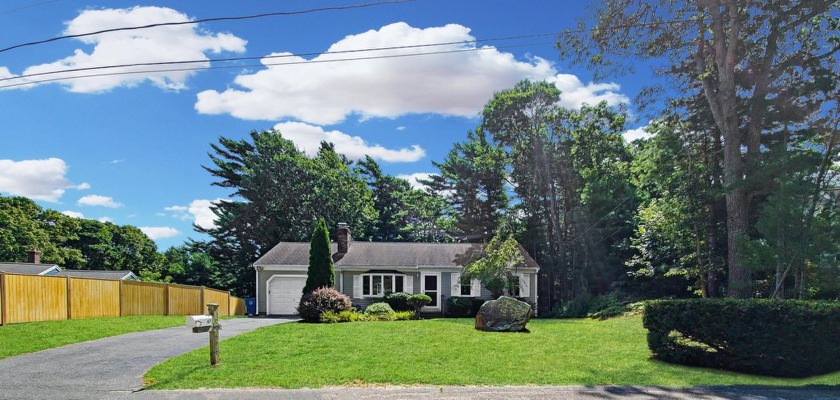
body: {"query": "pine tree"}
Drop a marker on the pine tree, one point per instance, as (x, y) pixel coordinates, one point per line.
(320, 272)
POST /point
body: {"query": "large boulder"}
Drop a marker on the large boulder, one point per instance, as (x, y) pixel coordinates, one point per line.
(503, 315)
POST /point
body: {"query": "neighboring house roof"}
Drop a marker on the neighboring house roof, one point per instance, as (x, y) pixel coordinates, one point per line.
(385, 254)
(99, 274)
(29, 268)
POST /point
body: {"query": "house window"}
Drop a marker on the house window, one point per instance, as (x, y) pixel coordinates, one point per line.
(514, 286)
(378, 285)
(466, 287)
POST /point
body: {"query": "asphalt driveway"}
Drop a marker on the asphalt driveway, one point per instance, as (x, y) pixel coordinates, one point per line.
(105, 368)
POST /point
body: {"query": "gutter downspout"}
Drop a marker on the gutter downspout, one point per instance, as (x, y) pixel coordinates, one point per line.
(537, 293)
(257, 293)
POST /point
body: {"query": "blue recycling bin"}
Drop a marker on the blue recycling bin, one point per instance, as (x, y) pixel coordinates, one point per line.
(251, 305)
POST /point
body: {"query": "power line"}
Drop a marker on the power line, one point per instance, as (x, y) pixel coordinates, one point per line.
(197, 21)
(9, 11)
(615, 27)
(231, 59)
(268, 64)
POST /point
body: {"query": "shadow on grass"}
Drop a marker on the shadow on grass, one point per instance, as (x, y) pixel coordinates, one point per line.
(179, 376)
(739, 392)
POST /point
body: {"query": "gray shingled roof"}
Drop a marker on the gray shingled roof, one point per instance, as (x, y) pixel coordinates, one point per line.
(95, 274)
(384, 254)
(25, 268)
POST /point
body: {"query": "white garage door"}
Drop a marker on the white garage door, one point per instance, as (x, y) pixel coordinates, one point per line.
(284, 294)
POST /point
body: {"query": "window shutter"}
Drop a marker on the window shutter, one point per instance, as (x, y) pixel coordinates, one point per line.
(456, 284)
(523, 285)
(357, 286)
(408, 284)
(475, 288)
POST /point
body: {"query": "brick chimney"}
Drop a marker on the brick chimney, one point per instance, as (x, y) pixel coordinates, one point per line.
(33, 256)
(344, 238)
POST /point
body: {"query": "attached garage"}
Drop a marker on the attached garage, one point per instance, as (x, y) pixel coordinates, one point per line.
(284, 292)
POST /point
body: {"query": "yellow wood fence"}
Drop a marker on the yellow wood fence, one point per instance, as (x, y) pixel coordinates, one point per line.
(30, 298)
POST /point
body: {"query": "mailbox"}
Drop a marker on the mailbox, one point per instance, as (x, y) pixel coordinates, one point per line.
(200, 323)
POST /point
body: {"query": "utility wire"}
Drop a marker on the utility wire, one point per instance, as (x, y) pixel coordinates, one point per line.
(197, 21)
(161, 63)
(231, 59)
(269, 64)
(26, 6)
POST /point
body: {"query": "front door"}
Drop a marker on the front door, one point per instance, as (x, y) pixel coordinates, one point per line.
(431, 287)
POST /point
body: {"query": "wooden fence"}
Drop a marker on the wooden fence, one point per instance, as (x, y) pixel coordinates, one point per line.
(30, 298)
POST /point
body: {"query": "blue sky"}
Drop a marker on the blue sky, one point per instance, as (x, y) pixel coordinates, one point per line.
(129, 148)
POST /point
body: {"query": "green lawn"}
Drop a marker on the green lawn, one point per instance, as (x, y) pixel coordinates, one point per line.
(442, 352)
(35, 336)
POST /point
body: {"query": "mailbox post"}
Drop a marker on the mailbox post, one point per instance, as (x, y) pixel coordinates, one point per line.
(213, 310)
(208, 323)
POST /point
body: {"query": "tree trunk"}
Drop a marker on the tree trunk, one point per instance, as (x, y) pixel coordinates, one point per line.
(721, 93)
(740, 285)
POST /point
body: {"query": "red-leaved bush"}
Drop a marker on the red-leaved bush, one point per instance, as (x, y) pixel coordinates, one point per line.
(313, 304)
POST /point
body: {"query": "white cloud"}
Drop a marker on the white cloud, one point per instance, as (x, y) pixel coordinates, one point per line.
(159, 232)
(36, 179)
(204, 216)
(82, 186)
(165, 43)
(98, 201)
(105, 219)
(575, 93)
(414, 179)
(638, 133)
(308, 138)
(199, 211)
(5, 73)
(325, 93)
(73, 214)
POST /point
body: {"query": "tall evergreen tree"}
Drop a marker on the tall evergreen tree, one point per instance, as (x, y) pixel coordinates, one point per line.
(570, 172)
(320, 272)
(388, 200)
(472, 179)
(277, 192)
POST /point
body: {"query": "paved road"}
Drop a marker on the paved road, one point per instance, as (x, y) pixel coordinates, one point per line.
(104, 368)
(504, 393)
(112, 368)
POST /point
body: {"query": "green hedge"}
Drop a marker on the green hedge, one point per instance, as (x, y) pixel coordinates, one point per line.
(463, 306)
(398, 301)
(786, 338)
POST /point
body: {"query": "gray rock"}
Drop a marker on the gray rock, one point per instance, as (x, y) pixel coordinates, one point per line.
(503, 315)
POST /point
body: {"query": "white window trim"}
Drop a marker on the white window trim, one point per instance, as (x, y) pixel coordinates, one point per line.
(372, 274)
(475, 286)
(439, 289)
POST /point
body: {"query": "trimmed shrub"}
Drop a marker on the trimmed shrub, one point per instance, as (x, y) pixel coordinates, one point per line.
(403, 315)
(312, 305)
(379, 309)
(785, 338)
(460, 307)
(398, 301)
(342, 316)
(417, 301)
(355, 316)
